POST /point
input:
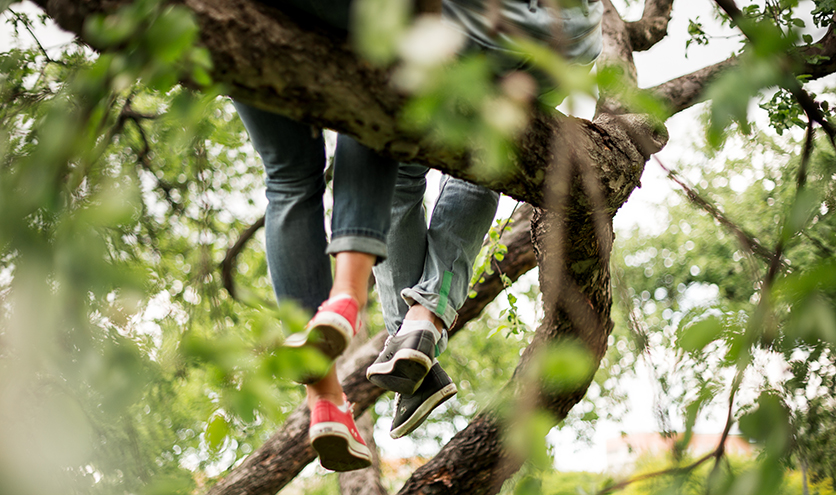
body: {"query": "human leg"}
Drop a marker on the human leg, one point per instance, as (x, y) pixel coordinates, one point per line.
(407, 356)
(363, 189)
(294, 162)
(462, 215)
(460, 219)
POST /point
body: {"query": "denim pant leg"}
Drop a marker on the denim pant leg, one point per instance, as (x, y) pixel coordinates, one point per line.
(333, 12)
(294, 164)
(364, 183)
(407, 243)
(462, 216)
(432, 266)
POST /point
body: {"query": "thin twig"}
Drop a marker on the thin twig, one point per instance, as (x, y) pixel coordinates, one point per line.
(748, 241)
(232, 254)
(26, 24)
(801, 182)
(144, 154)
(717, 454)
(675, 470)
(810, 106)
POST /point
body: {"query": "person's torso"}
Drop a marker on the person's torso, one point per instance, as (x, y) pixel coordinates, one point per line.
(578, 28)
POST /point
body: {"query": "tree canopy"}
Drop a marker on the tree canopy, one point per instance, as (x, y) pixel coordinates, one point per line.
(140, 347)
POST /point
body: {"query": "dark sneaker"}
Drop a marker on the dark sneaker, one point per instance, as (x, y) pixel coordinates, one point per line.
(406, 358)
(335, 438)
(329, 331)
(412, 410)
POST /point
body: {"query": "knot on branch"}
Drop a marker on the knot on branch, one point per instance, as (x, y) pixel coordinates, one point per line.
(647, 134)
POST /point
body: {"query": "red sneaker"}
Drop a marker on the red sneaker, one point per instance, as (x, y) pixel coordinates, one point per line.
(332, 327)
(335, 438)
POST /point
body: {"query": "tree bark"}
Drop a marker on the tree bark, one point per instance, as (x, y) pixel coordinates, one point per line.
(652, 27)
(577, 173)
(288, 451)
(267, 58)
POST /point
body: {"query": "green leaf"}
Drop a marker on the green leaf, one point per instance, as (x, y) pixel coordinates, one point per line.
(566, 366)
(768, 424)
(695, 337)
(216, 431)
(378, 27)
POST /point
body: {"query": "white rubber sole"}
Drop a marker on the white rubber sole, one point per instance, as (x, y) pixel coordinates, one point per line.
(423, 411)
(337, 448)
(401, 355)
(334, 333)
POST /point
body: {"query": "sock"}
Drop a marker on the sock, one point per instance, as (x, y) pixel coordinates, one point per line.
(417, 325)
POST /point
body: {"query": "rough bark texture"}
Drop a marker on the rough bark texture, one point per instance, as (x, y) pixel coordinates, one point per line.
(577, 173)
(652, 27)
(306, 72)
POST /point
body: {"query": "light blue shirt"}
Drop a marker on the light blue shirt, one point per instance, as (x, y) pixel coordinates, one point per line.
(579, 26)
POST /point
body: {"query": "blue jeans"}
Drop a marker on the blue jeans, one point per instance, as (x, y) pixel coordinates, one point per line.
(429, 266)
(432, 265)
(294, 165)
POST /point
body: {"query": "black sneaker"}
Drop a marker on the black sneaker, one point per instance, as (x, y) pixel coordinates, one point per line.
(405, 360)
(412, 410)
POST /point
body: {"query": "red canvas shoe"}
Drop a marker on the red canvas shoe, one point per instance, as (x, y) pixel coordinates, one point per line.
(332, 327)
(335, 438)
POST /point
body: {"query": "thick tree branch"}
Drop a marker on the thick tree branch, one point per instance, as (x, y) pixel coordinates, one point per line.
(284, 455)
(688, 90)
(652, 27)
(270, 60)
(816, 60)
(617, 53)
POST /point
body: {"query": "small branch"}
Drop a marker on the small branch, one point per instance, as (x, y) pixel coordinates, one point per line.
(810, 106)
(717, 454)
(688, 90)
(652, 27)
(721, 446)
(676, 470)
(228, 263)
(28, 27)
(745, 238)
(826, 252)
(144, 155)
(801, 182)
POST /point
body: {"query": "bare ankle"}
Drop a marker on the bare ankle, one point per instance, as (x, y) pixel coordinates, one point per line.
(357, 294)
(418, 312)
(335, 398)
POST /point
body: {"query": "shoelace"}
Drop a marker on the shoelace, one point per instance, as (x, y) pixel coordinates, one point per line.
(397, 402)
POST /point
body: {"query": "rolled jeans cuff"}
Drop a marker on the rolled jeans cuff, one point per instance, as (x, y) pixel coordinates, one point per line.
(357, 242)
(431, 301)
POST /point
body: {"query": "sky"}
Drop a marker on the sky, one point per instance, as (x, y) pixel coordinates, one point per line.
(663, 62)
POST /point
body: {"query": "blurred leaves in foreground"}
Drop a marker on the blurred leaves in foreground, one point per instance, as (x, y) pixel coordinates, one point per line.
(124, 366)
